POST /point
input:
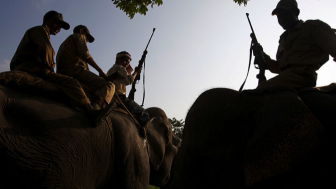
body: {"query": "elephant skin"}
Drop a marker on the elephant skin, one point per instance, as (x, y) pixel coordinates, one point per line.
(250, 140)
(47, 144)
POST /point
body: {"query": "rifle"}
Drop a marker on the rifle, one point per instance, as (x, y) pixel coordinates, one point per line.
(259, 60)
(137, 78)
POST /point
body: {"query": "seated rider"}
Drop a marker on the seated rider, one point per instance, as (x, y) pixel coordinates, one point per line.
(72, 60)
(123, 69)
(35, 55)
(303, 48)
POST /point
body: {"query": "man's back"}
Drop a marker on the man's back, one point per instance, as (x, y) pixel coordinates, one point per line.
(34, 49)
(72, 54)
(308, 44)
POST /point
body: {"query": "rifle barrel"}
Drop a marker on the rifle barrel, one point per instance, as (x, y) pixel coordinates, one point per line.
(150, 38)
(247, 14)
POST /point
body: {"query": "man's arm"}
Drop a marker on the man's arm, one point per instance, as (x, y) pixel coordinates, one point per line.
(136, 71)
(271, 65)
(83, 53)
(325, 37)
(93, 63)
(126, 78)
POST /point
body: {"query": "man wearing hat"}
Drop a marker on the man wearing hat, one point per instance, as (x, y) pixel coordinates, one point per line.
(35, 55)
(124, 77)
(303, 48)
(72, 60)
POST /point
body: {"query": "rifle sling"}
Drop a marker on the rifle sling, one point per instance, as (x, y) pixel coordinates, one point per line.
(143, 95)
(248, 70)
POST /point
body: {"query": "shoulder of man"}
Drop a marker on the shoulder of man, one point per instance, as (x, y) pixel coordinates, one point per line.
(117, 67)
(66, 41)
(111, 70)
(315, 23)
(35, 28)
(37, 31)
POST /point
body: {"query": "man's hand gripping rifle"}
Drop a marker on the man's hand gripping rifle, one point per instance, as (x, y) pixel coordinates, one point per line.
(259, 60)
(137, 78)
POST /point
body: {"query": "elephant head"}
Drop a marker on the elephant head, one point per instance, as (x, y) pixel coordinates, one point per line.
(163, 145)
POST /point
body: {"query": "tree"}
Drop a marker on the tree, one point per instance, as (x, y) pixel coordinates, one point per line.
(177, 126)
(131, 7)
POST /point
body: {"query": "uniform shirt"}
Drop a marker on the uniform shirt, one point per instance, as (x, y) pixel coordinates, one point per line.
(35, 49)
(308, 44)
(120, 85)
(72, 54)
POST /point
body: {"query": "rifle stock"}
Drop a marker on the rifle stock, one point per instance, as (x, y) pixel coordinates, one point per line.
(132, 92)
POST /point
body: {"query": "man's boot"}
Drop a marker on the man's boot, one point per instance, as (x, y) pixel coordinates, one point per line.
(97, 103)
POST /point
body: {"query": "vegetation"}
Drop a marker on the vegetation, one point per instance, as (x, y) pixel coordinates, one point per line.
(153, 187)
(241, 2)
(177, 126)
(132, 7)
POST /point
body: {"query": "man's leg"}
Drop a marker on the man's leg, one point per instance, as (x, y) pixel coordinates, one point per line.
(292, 77)
(68, 85)
(101, 87)
(137, 110)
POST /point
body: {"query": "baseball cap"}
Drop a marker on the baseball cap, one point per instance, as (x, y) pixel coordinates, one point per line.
(58, 18)
(90, 37)
(285, 4)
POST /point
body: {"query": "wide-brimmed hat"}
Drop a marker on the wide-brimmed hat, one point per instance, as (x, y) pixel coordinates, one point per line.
(286, 5)
(90, 37)
(58, 18)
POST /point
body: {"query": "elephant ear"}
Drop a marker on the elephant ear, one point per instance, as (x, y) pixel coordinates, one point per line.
(158, 138)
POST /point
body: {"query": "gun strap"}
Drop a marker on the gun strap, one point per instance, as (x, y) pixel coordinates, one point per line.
(248, 70)
(143, 95)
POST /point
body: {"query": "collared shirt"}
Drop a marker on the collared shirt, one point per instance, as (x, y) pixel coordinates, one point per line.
(73, 53)
(308, 44)
(120, 85)
(35, 49)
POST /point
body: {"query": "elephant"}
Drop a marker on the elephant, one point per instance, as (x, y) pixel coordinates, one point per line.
(278, 138)
(45, 143)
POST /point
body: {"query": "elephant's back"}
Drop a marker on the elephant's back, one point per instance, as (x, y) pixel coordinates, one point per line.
(42, 140)
(29, 119)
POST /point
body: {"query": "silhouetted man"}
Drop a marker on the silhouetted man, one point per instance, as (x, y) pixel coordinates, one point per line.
(123, 69)
(303, 48)
(72, 60)
(35, 55)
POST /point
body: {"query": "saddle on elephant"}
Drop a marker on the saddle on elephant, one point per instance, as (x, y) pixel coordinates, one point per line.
(30, 83)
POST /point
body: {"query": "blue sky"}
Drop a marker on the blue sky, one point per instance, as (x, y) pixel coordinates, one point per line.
(197, 45)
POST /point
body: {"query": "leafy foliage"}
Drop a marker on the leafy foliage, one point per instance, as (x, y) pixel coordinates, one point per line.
(153, 187)
(177, 126)
(241, 2)
(131, 7)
